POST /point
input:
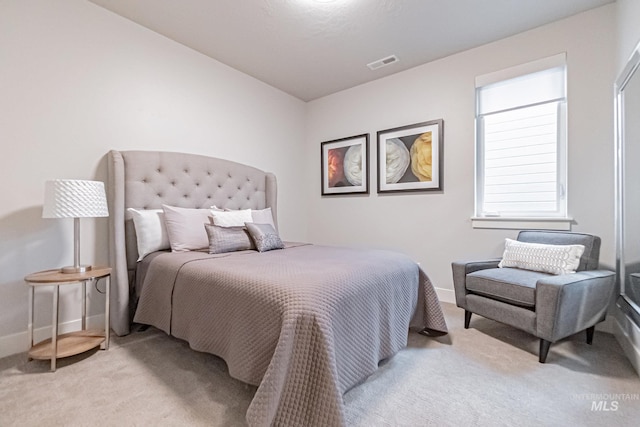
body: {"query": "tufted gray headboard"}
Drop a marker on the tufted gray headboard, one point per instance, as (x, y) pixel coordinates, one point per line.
(149, 179)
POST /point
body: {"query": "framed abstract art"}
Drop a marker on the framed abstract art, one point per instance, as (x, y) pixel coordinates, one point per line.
(410, 158)
(344, 165)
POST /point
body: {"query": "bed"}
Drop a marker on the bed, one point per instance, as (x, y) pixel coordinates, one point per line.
(303, 324)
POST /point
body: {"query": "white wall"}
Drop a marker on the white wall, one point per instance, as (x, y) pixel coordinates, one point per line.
(628, 37)
(435, 229)
(628, 30)
(77, 81)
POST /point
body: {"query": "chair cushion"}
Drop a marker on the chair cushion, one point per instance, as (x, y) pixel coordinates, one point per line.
(510, 285)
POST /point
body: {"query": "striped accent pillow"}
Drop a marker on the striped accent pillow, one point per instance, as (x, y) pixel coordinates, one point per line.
(553, 259)
(228, 239)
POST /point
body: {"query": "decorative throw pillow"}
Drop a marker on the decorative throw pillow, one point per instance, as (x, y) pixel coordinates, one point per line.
(184, 227)
(264, 236)
(554, 259)
(151, 232)
(228, 239)
(231, 218)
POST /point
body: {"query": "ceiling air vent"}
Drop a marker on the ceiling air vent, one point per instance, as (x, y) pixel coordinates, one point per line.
(383, 62)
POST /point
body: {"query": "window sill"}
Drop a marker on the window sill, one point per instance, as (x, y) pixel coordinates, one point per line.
(563, 224)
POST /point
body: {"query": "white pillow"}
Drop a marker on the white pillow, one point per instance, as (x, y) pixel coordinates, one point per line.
(231, 218)
(259, 216)
(263, 216)
(554, 259)
(151, 233)
(185, 228)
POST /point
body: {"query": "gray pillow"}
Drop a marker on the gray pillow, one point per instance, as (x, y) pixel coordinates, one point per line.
(228, 239)
(184, 228)
(264, 236)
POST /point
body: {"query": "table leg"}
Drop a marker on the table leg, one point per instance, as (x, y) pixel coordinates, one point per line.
(31, 313)
(54, 328)
(84, 305)
(107, 325)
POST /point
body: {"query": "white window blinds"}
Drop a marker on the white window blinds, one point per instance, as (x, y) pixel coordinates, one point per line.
(529, 89)
(521, 131)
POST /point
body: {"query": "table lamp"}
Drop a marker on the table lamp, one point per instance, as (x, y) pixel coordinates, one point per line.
(74, 198)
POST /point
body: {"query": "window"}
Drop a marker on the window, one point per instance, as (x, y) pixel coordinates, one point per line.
(521, 141)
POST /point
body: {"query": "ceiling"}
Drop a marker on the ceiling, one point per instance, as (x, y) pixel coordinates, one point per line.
(312, 48)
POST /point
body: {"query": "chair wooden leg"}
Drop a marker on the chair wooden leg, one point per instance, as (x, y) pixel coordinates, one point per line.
(544, 350)
(590, 332)
(467, 319)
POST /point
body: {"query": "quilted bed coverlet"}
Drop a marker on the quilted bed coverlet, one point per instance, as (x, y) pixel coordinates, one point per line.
(303, 324)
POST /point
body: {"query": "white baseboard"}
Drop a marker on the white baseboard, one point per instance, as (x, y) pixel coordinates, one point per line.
(628, 335)
(446, 295)
(19, 343)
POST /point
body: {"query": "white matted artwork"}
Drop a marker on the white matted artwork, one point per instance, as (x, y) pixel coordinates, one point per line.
(410, 157)
(344, 165)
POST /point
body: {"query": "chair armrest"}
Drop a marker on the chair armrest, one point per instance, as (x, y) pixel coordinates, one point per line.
(569, 303)
(460, 271)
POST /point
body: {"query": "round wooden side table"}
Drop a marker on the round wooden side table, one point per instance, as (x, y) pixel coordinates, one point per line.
(74, 342)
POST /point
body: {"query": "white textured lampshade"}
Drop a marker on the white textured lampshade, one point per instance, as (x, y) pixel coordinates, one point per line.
(74, 198)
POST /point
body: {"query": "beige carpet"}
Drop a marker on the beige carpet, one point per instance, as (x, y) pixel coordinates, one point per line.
(488, 375)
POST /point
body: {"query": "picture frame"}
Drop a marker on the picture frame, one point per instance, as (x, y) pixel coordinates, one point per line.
(344, 165)
(410, 158)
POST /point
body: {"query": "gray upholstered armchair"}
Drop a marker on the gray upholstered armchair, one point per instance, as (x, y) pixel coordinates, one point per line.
(550, 307)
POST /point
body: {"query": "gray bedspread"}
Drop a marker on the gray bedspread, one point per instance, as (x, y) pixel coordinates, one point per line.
(303, 324)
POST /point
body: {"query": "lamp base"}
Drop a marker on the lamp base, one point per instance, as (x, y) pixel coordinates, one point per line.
(73, 269)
